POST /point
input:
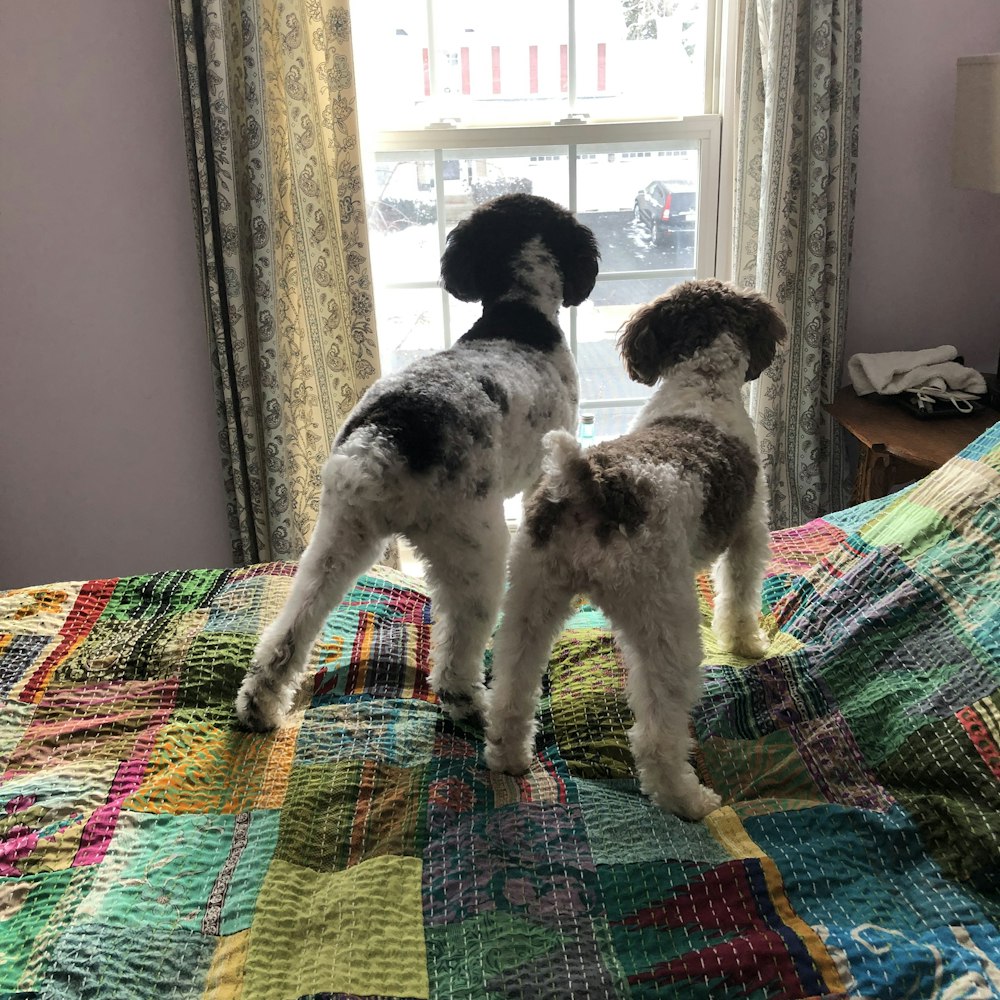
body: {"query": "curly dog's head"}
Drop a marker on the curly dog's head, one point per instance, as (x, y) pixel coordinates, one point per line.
(689, 318)
(482, 257)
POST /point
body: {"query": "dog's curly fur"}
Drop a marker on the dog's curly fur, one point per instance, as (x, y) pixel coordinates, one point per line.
(432, 451)
(631, 521)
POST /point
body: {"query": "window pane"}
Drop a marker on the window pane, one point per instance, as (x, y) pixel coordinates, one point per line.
(410, 325)
(512, 62)
(402, 218)
(640, 58)
(642, 201)
(488, 173)
(403, 200)
(602, 374)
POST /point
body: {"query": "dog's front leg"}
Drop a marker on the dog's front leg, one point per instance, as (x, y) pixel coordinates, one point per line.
(738, 575)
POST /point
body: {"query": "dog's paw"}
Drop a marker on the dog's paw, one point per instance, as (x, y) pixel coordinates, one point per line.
(678, 790)
(257, 707)
(752, 645)
(511, 757)
(742, 638)
(700, 804)
(693, 803)
(464, 706)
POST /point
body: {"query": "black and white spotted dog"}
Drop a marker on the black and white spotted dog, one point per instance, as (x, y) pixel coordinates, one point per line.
(432, 451)
(631, 521)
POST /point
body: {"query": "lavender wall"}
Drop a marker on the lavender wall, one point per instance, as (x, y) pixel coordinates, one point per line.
(107, 428)
(926, 263)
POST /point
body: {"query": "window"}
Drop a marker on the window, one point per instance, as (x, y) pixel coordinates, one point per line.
(609, 107)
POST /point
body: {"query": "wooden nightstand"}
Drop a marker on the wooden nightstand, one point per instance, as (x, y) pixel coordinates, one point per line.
(897, 448)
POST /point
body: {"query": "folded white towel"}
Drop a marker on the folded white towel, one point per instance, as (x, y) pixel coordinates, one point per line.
(893, 372)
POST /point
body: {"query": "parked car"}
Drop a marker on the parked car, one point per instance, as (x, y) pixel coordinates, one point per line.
(668, 211)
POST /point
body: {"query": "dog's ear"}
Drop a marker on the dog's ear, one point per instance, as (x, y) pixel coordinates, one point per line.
(640, 346)
(764, 330)
(575, 248)
(459, 262)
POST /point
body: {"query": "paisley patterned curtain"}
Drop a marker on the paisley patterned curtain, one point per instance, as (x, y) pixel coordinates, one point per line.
(268, 94)
(797, 148)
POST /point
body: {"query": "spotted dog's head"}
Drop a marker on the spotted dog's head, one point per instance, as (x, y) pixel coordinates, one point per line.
(689, 318)
(482, 259)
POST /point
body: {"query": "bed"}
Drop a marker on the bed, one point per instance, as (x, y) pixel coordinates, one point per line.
(149, 848)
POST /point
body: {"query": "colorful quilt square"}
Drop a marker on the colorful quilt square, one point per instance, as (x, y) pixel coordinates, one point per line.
(95, 960)
(160, 594)
(357, 931)
(91, 599)
(225, 977)
(389, 654)
(391, 731)
(942, 962)
(38, 611)
(624, 827)
(33, 912)
(716, 933)
(534, 858)
(961, 833)
(544, 782)
(827, 748)
(118, 651)
(759, 775)
(196, 873)
(214, 668)
(15, 718)
(505, 954)
(750, 703)
(201, 763)
(245, 603)
(590, 714)
(18, 653)
(844, 867)
(98, 723)
(49, 817)
(340, 814)
(886, 687)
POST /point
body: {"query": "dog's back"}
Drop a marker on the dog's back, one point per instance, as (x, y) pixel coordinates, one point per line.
(622, 487)
(466, 423)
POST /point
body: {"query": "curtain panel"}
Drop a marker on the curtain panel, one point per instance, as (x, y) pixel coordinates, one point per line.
(797, 148)
(269, 107)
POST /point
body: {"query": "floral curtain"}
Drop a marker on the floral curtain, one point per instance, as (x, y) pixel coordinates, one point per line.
(269, 106)
(797, 147)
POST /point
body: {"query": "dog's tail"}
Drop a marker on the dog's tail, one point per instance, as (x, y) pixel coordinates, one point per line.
(563, 456)
(596, 482)
(354, 480)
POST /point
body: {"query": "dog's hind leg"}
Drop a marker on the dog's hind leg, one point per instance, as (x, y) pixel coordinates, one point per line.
(344, 544)
(534, 609)
(465, 567)
(662, 648)
(738, 575)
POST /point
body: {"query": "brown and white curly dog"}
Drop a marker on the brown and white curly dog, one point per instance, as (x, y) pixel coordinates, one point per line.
(630, 522)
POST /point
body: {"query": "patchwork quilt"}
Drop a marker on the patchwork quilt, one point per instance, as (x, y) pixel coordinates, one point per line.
(151, 849)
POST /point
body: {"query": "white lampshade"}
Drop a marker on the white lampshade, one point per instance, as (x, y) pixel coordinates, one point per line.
(975, 154)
